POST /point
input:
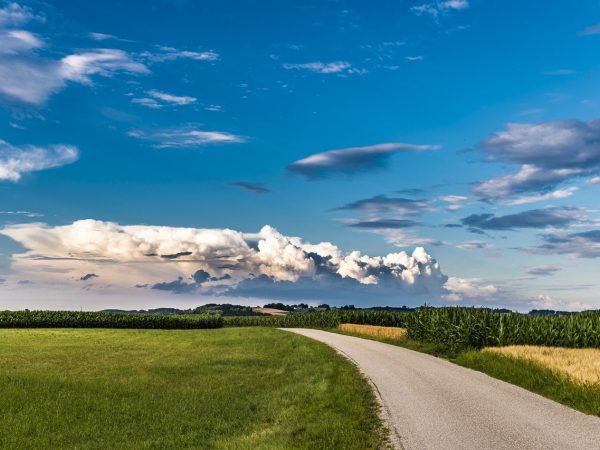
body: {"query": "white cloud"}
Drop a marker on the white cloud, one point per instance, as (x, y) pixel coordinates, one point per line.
(147, 102)
(595, 180)
(170, 54)
(129, 255)
(79, 67)
(15, 14)
(475, 289)
(186, 137)
(33, 80)
(528, 178)
(29, 78)
(554, 195)
(16, 41)
(475, 245)
(321, 67)
(159, 99)
(173, 99)
(434, 9)
(549, 153)
(17, 161)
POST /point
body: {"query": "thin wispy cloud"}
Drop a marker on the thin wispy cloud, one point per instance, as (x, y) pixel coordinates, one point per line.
(256, 188)
(164, 53)
(335, 67)
(186, 137)
(535, 218)
(352, 160)
(158, 99)
(14, 14)
(559, 72)
(543, 271)
(15, 162)
(590, 30)
(33, 80)
(437, 8)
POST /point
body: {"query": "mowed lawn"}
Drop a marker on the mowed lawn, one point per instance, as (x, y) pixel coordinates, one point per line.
(234, 388)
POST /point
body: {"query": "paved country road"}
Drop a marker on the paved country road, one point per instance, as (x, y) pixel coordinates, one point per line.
(430, 403)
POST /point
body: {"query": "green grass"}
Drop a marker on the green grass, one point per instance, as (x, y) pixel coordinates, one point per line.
(535, 378)
(527, 374)
(235, 388)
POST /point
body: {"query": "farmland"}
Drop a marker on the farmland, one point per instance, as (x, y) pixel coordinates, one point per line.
(458, 334)
(231, 388)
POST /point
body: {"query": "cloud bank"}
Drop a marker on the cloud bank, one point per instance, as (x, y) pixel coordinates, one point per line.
(266, 264)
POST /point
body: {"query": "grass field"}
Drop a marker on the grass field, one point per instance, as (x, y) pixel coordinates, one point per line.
(251, 388)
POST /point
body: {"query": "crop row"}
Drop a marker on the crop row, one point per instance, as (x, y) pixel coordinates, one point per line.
(458, 328)
(322, 319)
(84, 319)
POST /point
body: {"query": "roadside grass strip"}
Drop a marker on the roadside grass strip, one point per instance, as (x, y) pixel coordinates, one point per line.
(581, 365)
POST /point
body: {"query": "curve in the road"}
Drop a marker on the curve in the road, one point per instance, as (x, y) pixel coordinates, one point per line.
(430, 403)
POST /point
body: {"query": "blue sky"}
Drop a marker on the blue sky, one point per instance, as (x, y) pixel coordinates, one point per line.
(150, 143)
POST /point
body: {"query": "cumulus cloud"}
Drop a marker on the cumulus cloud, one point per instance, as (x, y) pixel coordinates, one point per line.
(18, 161)
(321, 67)
(549, 153)
(256, 188)
(351, 160)
(534, 218)
(186, 137)
(130, 255)
(473, 289)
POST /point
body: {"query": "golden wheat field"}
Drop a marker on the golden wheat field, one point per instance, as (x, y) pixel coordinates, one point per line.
(372, 330)
(582, 365)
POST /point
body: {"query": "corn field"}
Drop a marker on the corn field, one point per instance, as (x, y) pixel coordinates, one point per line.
(459, 328)
(75, 319)
(322, 319)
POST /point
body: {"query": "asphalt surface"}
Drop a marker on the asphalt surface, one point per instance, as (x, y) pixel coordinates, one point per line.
(430, 403)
